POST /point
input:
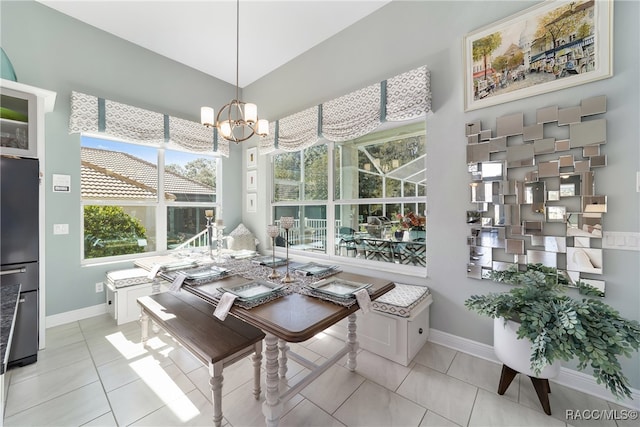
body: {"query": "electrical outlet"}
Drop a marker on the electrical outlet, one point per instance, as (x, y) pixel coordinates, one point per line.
(60, 228)
(99, 287)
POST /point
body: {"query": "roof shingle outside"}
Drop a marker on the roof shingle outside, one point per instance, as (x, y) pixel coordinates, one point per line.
(131, 175)
(96, 184)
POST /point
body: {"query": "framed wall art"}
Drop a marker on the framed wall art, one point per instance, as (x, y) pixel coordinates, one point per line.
(252, 157)
(252, 180)
(252, 201)
(550, 46)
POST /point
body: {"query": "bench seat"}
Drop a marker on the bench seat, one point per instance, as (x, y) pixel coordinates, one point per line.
(190, 321)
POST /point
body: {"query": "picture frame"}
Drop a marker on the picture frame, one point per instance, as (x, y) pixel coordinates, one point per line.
(551, 46)
(252, 201)
(252, 157)
(252, 180)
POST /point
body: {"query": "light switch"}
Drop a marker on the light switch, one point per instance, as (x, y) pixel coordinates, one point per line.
(60, 228)
(624, 240)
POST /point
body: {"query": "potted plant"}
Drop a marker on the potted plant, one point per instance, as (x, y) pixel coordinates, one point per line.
(560, 327)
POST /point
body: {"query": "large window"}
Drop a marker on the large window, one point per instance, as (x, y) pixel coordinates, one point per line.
(140, 198)
(376, 208)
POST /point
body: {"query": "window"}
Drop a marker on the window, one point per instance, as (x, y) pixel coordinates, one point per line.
(378, 194)
(142, 198)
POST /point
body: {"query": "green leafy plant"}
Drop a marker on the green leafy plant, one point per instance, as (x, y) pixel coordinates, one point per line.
(109, 231)
(561, 327)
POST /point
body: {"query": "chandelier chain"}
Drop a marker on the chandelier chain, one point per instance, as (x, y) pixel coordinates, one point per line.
(237, 49)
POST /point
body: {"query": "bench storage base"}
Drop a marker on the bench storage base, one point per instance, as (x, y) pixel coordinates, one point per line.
(124, 287)
(393, 337)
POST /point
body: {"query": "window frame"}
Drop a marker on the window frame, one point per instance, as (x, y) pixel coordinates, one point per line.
(160, 205)
(332, 202)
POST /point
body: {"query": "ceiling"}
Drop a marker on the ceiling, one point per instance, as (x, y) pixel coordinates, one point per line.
(202, 34)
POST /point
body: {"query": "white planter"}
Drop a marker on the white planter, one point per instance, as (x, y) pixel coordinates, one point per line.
(516, 353)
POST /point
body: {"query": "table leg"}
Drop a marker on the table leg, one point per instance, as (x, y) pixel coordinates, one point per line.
(144, 326)
(272, 407)
(352, 343)
(257, 362)
(215, 383)
(284, 348)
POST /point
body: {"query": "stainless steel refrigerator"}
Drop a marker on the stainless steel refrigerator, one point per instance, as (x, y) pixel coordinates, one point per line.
(19, 247)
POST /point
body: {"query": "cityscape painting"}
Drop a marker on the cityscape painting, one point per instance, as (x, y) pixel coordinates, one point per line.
(551, 46)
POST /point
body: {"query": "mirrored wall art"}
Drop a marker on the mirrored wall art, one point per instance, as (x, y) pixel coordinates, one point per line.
(534, 195)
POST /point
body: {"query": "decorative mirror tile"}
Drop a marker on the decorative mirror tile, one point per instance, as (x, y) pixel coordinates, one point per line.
(533, 192)
(547, 114)
(568, 115)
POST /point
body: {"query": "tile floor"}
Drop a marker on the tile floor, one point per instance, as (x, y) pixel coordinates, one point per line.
(94, 373)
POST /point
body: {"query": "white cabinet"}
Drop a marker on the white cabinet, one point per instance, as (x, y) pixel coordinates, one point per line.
(393, 337)
(122, 302)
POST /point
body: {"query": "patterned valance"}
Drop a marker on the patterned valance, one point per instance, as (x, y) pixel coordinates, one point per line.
(408, 95)
(352, 115)
(121, 121)
(403, 97)
(299, 130)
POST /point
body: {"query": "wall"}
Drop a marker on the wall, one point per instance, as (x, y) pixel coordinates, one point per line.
(404, 35)
(55, 52)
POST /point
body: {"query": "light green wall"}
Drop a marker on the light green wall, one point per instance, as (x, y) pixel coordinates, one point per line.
(55, 52)
(403, 35)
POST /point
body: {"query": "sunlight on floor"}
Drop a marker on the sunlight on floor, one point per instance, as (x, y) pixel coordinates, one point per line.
(165, 388)
(126, 347)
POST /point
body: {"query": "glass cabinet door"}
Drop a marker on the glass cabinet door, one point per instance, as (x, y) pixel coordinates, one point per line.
(18, 123)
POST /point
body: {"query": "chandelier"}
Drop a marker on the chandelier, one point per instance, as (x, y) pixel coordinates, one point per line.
(236, 121)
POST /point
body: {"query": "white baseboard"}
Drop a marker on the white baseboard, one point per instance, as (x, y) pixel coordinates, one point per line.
(75, 315)
(568, 377)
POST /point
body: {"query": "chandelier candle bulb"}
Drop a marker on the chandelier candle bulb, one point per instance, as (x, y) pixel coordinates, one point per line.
(208, 213)
(207, 116)
(263, 127)
(225, 129)
(219, 222)
(250, 112)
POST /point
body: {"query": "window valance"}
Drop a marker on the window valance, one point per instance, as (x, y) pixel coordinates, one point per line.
(403, 97)
(114, 119)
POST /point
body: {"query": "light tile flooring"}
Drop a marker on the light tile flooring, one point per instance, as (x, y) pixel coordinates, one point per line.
(95, 373)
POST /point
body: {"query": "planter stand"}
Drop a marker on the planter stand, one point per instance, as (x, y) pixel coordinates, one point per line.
(514, 354)
(540, 384)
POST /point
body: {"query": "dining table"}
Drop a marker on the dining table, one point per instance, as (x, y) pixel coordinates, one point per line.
(293, 317)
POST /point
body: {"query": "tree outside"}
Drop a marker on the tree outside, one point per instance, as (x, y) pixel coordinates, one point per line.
(201, 170)
(109, 231)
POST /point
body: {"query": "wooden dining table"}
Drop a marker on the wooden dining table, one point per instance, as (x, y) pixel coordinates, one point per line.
(294, 318)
